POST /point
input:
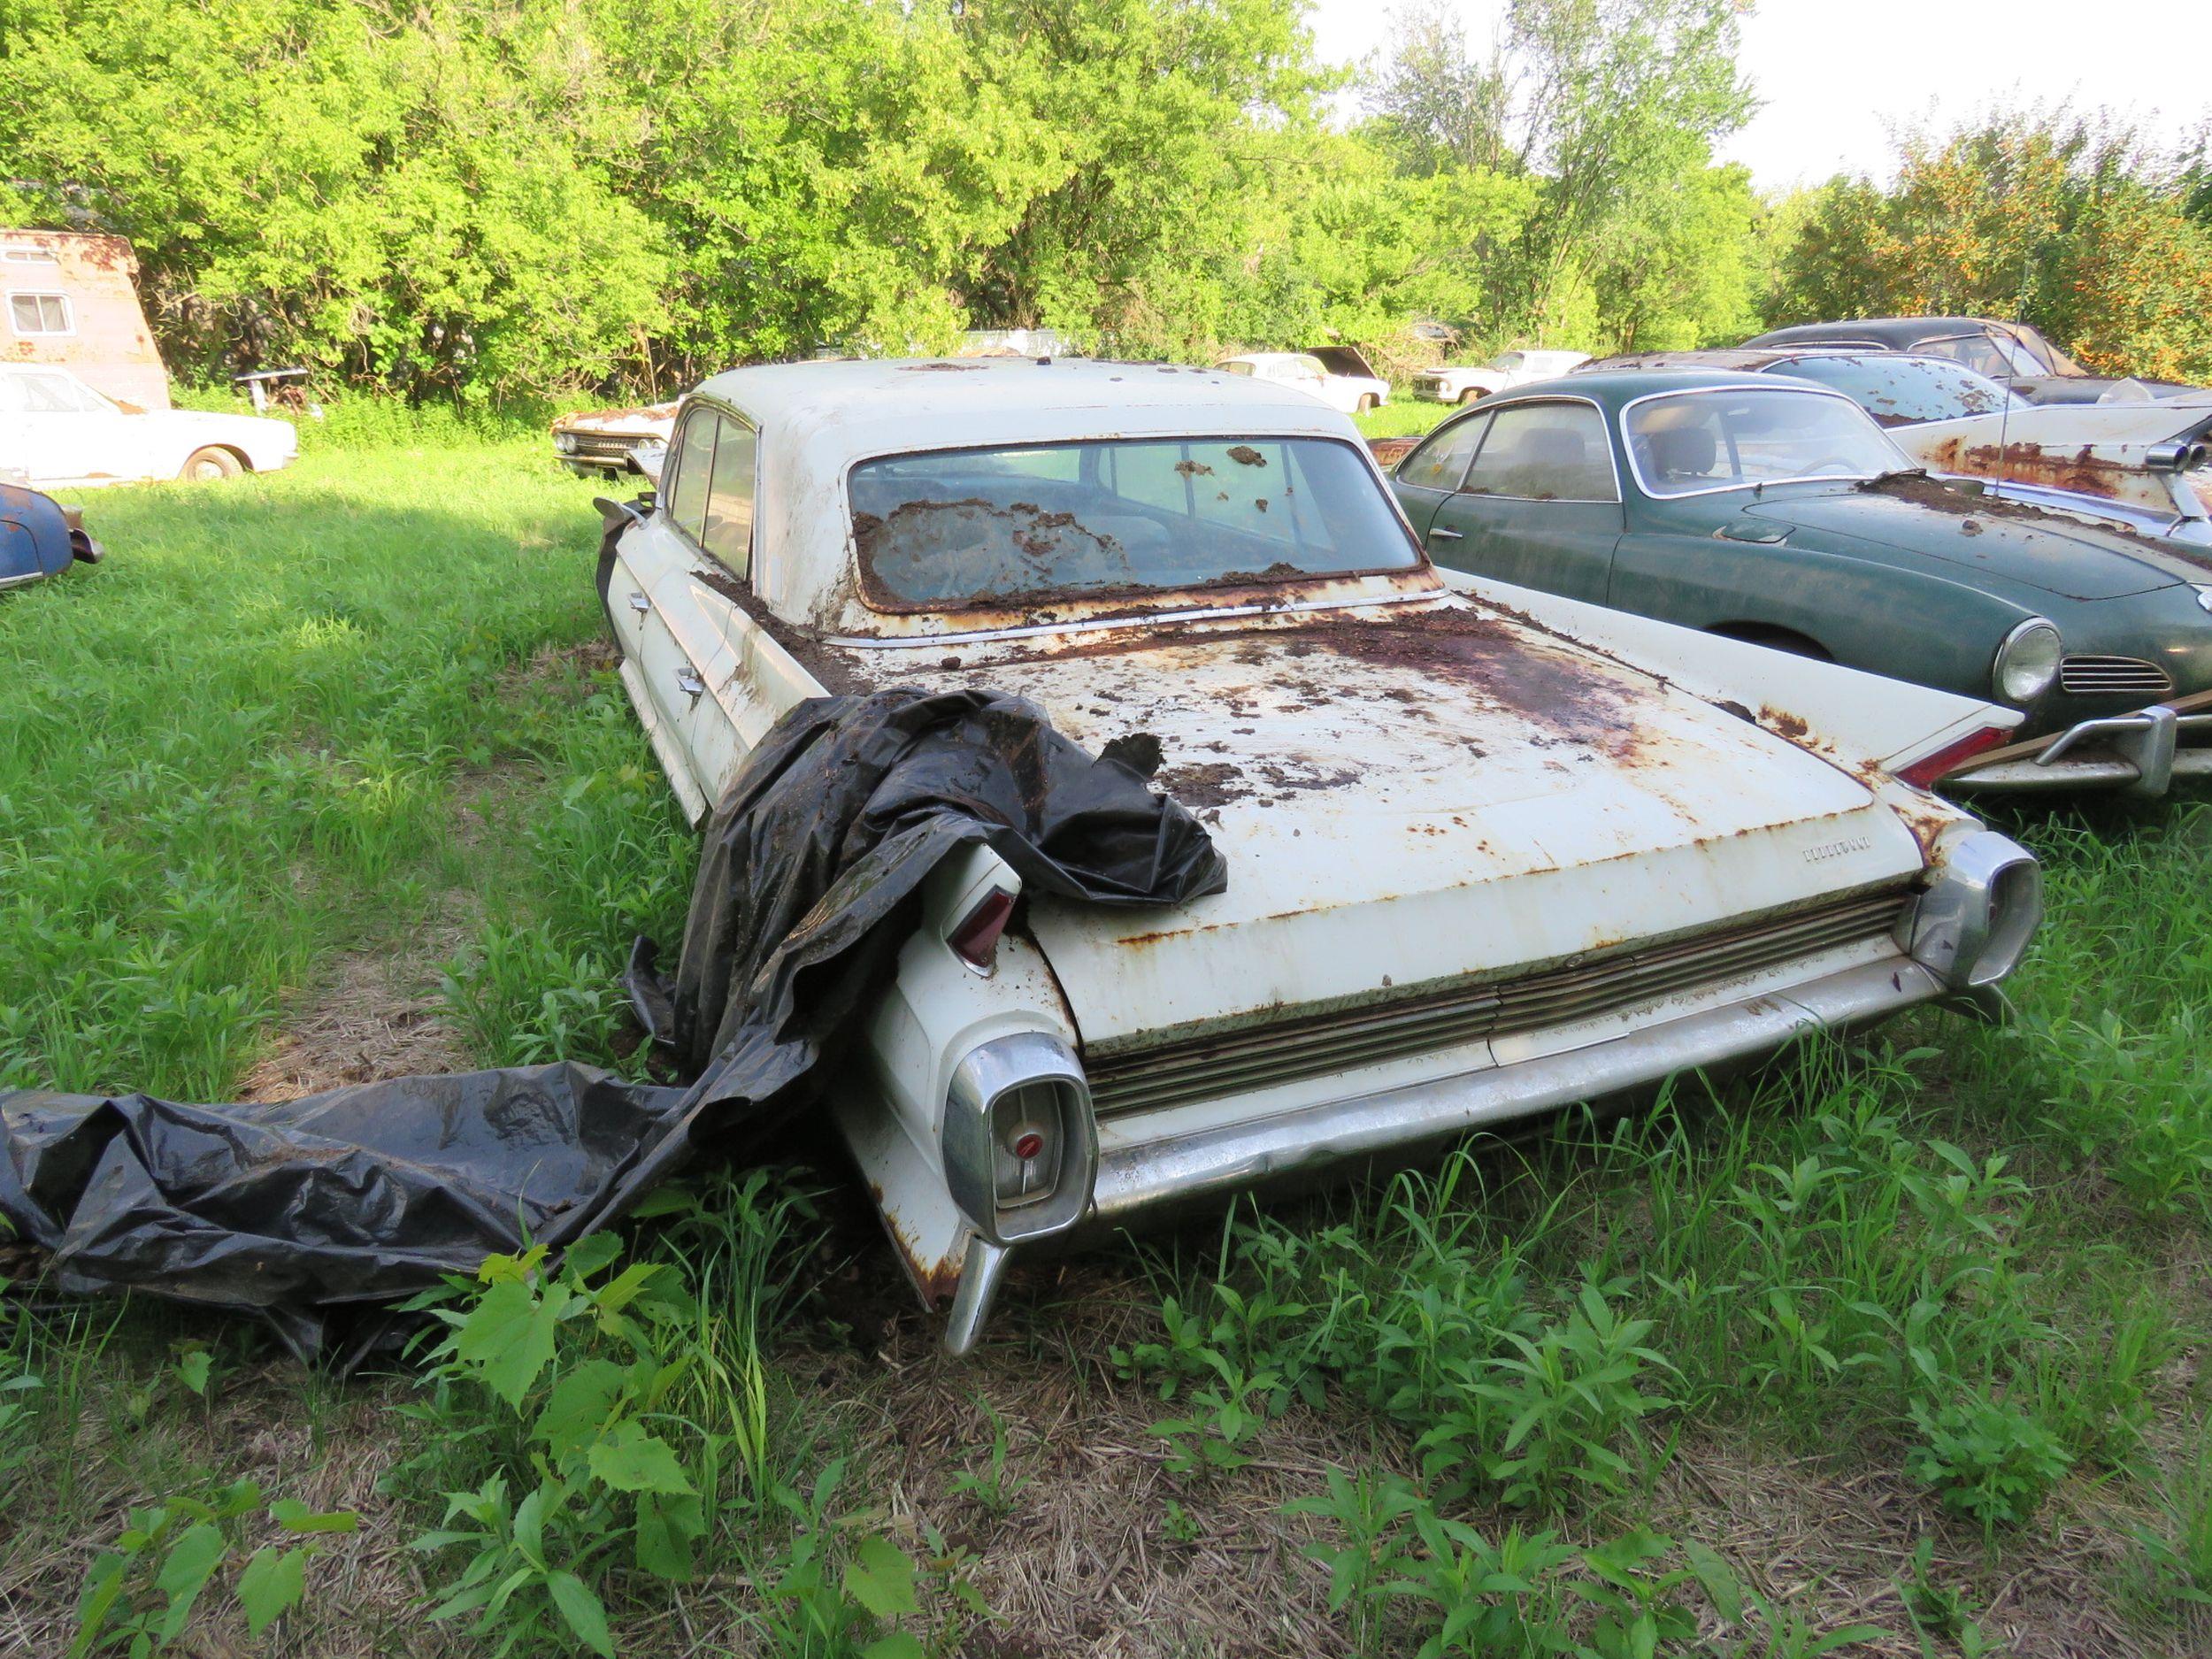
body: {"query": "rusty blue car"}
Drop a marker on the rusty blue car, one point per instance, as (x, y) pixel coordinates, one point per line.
(39, 537)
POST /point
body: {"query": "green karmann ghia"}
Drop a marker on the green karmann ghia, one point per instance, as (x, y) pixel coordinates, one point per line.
(1778, 512)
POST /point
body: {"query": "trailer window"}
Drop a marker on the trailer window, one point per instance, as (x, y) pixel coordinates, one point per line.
(40, 314)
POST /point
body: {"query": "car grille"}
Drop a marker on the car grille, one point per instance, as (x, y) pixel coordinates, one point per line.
(602, 446)
(1428, 383)
(2105, 676)
(1209, 1067)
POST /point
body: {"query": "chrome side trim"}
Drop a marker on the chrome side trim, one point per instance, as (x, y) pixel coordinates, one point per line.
(1136, 1174)
(669, 752)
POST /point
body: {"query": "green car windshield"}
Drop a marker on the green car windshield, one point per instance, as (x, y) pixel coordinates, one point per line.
(1688, 443)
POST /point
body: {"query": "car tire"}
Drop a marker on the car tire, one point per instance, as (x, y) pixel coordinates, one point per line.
(205, 466)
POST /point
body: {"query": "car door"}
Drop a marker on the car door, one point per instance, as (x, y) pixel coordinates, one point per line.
(1540, 503)
(1431, 471)
(675, 598)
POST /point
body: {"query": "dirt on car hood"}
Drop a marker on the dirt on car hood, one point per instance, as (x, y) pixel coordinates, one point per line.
(1410, 792)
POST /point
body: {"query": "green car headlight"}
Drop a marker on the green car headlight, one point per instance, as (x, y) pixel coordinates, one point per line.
(2027, 662)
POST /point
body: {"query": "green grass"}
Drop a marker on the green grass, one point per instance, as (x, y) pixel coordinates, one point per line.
(1403, 417)
(1531, 1399)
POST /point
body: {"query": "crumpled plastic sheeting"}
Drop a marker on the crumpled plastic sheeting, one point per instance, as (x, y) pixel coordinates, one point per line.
(321, 1213)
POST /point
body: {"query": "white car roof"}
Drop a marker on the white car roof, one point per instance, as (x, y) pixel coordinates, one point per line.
(818, 420)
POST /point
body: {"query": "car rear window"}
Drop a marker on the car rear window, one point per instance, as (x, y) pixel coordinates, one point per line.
(954, 529)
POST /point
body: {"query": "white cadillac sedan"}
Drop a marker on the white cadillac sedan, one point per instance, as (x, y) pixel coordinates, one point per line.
(1490, 852)
(54, 430)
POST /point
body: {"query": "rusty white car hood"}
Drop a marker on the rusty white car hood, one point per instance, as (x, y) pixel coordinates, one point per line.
(1411, 792)
(2089, 449)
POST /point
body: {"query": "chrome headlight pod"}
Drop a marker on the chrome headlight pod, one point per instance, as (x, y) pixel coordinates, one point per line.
(1019, 1142)
(2027, 661)
(1972, 925)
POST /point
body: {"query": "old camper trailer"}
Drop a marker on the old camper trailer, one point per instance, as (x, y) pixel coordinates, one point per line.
(69, 299)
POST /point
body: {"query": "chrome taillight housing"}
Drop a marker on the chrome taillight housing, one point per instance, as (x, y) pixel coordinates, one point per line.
(1973, 924)
(1019, 1143)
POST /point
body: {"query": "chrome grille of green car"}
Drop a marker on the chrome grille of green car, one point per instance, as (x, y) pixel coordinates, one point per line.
(1208, 1068)
(2112, 676)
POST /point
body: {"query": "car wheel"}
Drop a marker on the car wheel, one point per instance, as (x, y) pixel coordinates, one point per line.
(205, 466)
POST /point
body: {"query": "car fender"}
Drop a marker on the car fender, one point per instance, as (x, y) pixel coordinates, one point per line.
(1868, 616)
(1858, 718)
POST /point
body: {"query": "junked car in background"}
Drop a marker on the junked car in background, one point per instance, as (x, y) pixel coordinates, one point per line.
(1776, 511)
(1465, 383)
(1337, 375)
(1490, 852)
(54, 430)
(2013, 354)
(2145, 461)
(608, 443)
(39, 537)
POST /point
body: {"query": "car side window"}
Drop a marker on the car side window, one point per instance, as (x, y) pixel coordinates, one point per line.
(1545, 452)
(686, 498)
(1442, 462)
(1978, 352)
(728, 537)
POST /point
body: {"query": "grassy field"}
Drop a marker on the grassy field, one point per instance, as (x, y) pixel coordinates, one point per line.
(324, 777)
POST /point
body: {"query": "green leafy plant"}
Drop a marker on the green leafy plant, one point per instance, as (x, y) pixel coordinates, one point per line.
(603, 1475)
(995, 1491)
(1986, 1459)
(1939, 1612)
(141, 1591)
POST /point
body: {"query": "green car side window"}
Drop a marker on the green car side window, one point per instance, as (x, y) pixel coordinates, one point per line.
(1545, 451)
(1442, 462)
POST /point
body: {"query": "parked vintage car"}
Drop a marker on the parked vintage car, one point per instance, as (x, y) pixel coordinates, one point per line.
(2143, 461)
(54, 430)
(1490, 852)
(2012, 353)
(608, 443)
(39, 537)
(1775, 511)
(1463, 383)
(1337, 375)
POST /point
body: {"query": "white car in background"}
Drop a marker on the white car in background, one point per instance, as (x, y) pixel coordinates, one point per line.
(1491, 852)
(56, 431)
(1466, 382)
(1337, 375)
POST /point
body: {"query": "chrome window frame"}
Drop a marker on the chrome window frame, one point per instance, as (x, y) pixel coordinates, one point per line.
(1808, 389)
(672, 474)
(1467, 416)
(1612, 460)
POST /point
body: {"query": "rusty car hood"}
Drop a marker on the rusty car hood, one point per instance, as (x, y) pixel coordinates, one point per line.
(1988, 540)
(1410, 794)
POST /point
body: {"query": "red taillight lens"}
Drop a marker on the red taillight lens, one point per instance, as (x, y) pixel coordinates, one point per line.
(975, 940)
(1927, 771)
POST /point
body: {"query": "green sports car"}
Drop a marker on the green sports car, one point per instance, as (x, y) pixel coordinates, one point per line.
(1778, 512)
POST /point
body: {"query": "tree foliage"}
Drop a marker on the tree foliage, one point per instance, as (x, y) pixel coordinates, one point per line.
(2066, 221)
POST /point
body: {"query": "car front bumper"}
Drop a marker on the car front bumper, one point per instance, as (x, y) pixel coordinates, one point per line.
(2139, 753)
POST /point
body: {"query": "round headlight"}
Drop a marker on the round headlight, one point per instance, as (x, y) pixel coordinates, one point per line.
(2027, 662)
(565, 443)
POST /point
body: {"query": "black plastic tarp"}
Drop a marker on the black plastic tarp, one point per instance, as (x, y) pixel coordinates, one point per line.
(321, 1211)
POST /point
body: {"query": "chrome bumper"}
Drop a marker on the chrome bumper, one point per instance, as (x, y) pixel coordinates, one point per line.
(1136, 1174)
(2136, 753)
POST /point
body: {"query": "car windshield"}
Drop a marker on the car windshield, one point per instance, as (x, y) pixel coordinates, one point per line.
(1902, 391)
(1683, 444)
(954, 529)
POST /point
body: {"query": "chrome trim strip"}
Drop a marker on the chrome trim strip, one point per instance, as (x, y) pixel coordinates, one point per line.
(1135, 1174)
(984, 636)
(666, 749)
